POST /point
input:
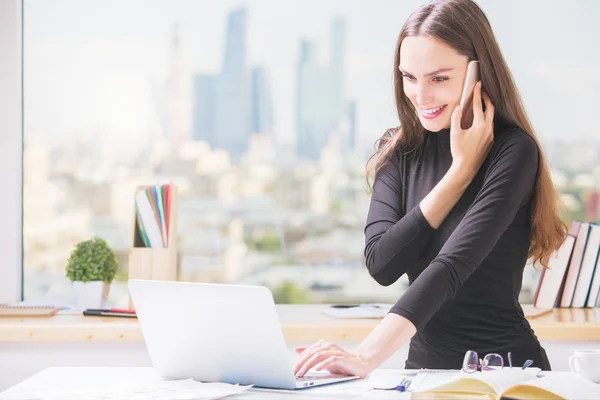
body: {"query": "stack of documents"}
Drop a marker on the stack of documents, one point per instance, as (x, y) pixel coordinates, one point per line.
(152, 206)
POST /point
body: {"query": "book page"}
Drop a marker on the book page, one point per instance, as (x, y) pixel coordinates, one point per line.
(562, 385)
(502, 379)
(490, 383)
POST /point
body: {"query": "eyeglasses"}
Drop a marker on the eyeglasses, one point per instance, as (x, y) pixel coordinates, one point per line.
(472, 363)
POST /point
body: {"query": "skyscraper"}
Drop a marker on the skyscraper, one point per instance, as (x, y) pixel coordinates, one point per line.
(177, 118)
(261, 101)
(338, 66)
(204, 109)
(313, 104)
(321, 107)
(350, 145)
(232, 122)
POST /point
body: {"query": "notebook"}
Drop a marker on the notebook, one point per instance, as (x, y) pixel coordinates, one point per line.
(18, 310)
(511, 383)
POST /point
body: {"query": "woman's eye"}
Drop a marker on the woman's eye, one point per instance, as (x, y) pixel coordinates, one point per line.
(440, 79)
(408, 77)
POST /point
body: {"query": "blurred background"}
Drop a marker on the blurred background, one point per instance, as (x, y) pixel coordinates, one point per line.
(263, 113)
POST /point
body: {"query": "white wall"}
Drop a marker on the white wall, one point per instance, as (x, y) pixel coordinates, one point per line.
(11, 150)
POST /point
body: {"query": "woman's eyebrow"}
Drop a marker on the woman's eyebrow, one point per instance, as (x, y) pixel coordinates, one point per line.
(437, 71)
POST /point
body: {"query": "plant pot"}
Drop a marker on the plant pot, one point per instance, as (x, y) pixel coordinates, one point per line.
(91, 294)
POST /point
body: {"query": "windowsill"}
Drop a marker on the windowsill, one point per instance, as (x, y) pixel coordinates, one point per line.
(299, 323)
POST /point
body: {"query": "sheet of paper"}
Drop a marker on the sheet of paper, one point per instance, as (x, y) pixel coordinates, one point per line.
(187, 389)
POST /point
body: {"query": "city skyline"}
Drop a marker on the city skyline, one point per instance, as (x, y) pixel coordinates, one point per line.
(106, 86)
(155, 77)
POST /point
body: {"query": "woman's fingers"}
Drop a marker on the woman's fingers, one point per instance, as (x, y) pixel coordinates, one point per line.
(317, 358)
(489, 109)
(477, 108)
(455, 119)
(329, 362)
(321, 345)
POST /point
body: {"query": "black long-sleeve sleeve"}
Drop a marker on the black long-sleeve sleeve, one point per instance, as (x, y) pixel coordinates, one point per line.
(508, 182)
(394, 239)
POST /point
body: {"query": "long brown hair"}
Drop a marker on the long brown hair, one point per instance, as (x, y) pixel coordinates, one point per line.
(463, 25)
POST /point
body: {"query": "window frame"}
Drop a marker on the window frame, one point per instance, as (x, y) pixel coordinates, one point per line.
(11, 150)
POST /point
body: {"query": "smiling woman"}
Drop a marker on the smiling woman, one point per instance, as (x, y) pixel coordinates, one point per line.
(457, 210)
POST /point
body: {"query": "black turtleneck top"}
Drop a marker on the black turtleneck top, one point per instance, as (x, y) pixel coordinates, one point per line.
(465, 276)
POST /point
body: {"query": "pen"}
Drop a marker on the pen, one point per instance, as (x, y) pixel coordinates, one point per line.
(96, 313)
(403, 385)
(117, 310)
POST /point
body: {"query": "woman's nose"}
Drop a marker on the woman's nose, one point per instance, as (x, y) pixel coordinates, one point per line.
(424, 94)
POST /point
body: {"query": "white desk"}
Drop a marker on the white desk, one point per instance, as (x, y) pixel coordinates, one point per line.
(56, 379)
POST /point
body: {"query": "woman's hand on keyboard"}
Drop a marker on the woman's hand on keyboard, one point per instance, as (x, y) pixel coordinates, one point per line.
(330, 357)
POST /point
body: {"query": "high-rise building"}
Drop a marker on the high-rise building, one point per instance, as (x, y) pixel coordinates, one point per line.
(321, 107)
(204, 109)
(177, 116)
(313, 103)
(350, 144)
(232, 123)
(338, 66)
(261, 101)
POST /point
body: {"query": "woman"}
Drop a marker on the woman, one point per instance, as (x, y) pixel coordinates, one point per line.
(459, 211)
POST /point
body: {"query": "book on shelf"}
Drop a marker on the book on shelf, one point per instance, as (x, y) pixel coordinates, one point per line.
(588, 269)
(551, 279)
(572, 278)
(152, 209)
(574, 265)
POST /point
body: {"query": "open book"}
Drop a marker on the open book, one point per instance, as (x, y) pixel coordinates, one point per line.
(512, 383)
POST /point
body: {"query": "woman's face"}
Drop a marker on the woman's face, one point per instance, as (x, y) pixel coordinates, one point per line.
(433, 77)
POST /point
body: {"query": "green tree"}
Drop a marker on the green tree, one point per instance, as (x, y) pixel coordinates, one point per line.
(265, 244)
(289, 293)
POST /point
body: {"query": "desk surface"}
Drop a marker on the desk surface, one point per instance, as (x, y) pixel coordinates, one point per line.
(75, 382)
(83, 382)
(299, 323)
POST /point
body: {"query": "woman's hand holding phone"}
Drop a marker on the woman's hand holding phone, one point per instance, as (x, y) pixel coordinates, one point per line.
(470, 146)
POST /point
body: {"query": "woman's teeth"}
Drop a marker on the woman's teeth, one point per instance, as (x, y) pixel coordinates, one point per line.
(431, 110)
(431, 113)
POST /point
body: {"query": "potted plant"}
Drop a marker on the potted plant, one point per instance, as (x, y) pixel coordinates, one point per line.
(91, 267)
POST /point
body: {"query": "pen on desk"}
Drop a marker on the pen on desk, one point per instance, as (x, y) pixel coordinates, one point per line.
(117, 310)
(96, 313)
(403, 385)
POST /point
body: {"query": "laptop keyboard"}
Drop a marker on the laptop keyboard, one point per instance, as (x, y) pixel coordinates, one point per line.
(317, 377)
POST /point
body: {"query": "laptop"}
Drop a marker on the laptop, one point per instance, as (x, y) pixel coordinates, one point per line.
(217, 333)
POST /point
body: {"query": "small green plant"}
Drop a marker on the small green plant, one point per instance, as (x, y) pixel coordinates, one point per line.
(92, 260)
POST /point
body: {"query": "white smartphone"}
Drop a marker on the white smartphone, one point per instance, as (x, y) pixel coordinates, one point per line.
(466, 99)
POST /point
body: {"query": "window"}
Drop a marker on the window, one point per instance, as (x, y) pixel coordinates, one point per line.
(263, 115)
(10, 150)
